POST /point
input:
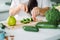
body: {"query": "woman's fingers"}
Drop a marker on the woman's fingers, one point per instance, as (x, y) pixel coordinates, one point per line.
(26, 9)
(33, 15)
(11, 12)
(35, 11)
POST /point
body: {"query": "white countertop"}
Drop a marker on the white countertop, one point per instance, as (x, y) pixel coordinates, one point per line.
(43, 34)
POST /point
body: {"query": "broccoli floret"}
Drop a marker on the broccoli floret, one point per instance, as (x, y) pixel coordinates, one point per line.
(53, 16)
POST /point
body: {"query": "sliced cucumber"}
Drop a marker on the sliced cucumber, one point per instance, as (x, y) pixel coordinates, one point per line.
(27, 20)
(31, 19)
(2, 26)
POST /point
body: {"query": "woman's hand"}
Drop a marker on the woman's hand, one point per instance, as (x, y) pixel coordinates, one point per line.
(14, 11)
(35, 11)
(24, 7)
(43, 10)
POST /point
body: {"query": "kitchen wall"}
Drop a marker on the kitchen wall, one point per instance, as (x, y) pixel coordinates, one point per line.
(2, 1)
(3, 16)
(4, 9)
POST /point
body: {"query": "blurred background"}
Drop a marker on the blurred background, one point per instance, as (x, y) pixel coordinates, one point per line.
(4, 8)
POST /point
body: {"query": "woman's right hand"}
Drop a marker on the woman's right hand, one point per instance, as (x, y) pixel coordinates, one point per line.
(14, 11)
(24, 7)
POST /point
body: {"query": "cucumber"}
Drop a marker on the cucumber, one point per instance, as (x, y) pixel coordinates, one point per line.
(27, 20)
(45, 25)
(24, 21)
(21, 21)
(59, 26)
(30, 28)
(31, 19)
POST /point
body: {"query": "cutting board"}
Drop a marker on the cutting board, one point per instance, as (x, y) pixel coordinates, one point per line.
(19, 24)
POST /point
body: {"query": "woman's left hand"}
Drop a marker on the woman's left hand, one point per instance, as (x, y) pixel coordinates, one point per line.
(35, 11)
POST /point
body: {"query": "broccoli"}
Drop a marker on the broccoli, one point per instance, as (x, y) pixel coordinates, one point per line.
(53, 16)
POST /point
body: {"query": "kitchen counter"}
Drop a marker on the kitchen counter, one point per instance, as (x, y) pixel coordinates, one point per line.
(43, 34)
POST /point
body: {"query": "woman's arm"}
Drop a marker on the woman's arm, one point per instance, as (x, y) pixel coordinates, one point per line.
(14, 11)
(16, 6)
(38, 11)
(43, 10)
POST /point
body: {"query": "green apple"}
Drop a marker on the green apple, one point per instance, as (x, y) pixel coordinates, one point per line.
(11, 21)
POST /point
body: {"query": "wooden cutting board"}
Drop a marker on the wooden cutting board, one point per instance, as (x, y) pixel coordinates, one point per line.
(19, 25)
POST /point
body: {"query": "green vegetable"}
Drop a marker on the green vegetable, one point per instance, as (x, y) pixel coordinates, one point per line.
(59, 26)
(24, 19)
(53, 16)
(56, 1)
(31, 19)
(30, 28)
(27, 20)
(21, 21)
(2, 26)
(45, 25)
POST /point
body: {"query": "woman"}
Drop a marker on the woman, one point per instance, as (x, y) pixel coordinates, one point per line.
(21, 7)
(34, 7)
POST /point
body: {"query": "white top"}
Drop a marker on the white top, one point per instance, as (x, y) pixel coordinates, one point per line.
(21, 15)
(44, 3)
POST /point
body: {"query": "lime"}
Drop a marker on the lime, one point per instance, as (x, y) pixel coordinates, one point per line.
(11, 21)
